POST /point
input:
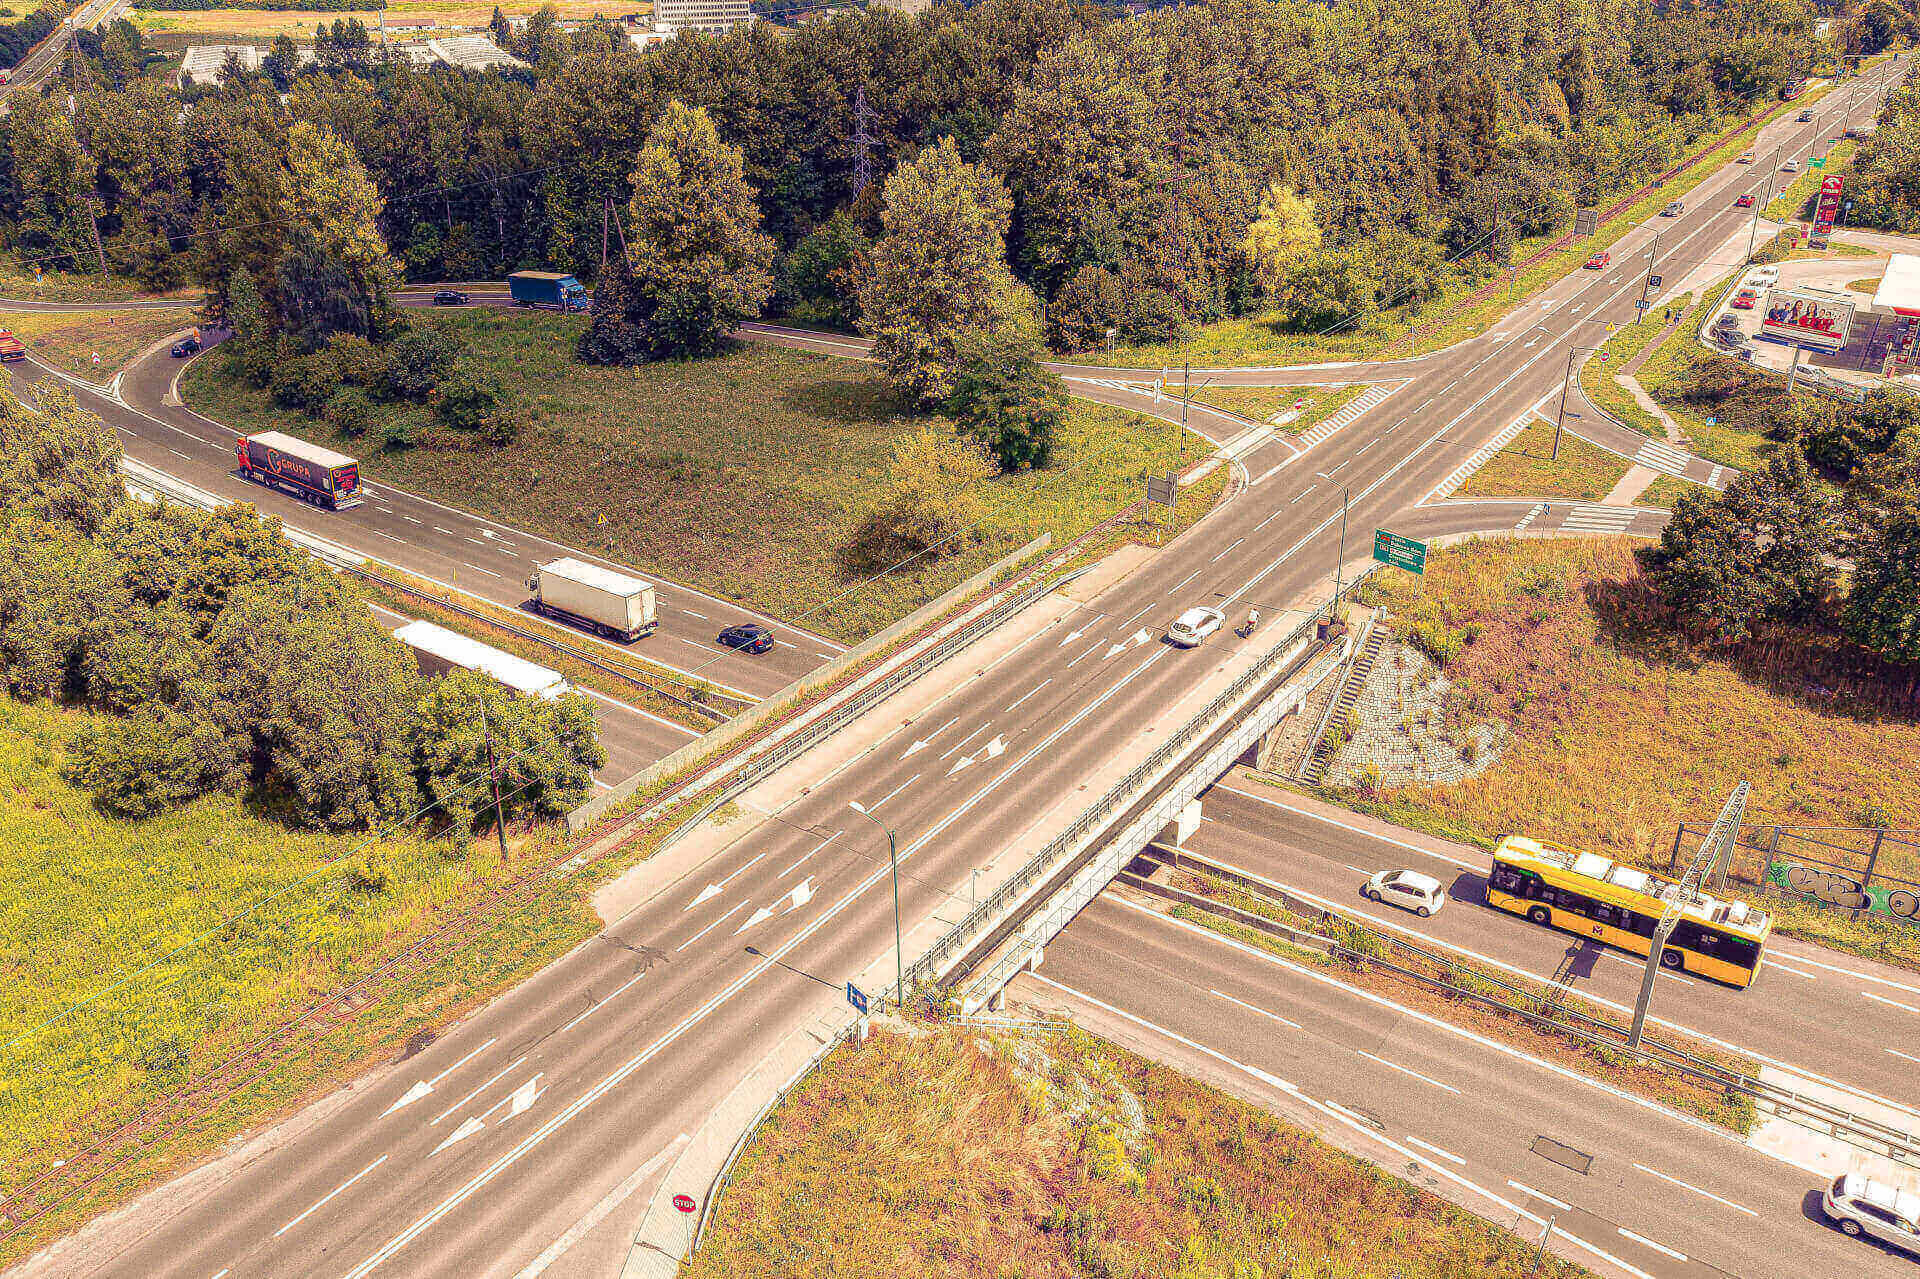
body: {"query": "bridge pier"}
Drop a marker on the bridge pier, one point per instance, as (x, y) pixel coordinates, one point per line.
(1184, 823)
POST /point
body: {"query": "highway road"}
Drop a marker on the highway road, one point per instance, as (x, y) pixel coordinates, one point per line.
(519, 1124)
(1867, 1014)
(1646, 1191)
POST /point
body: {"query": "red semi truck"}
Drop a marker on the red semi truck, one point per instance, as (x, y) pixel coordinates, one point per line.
(11, 347)
(307, 471)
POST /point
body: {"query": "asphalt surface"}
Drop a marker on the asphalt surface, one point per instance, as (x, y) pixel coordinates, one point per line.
(1644, 1190)
(542, 1103)
(1325, 854)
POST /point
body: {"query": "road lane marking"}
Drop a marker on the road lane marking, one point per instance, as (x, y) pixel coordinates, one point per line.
(895, 791)
(1882, 999)
(1252, 1008)
(1435, 1150)
(1030, 692)
(1216, 559)
(1773, 961)
(597, 1006)
(1561, 1204)
(1393, 1065)
(810, 852)
(449, 532)
(476, 568)
(969, 737)
(1183, 581)
(635, 710)
(712, 889)
(690, 613)
(1657, 1247)
(1357, 830)
(738, 907)
(1896, 1052)
(1083, 656)
(330, 1194)
(598, 1213)
(1854, 972)
(476, 1092)
(1655, 1172)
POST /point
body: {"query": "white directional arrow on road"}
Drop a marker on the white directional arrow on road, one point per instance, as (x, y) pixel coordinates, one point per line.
(765, 912)
(467, 1128)
(992, 750)
(413, 1094)
(1071, 638)
(1138, 637)
(713, 890)
(802, 894)
(921, 745)
(524, 1096)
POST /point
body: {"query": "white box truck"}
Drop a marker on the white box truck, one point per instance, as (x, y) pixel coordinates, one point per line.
(599, 599)
(439, 650)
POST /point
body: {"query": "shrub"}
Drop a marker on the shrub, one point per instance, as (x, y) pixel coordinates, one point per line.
(358, 361)
(1436, 639)
(418, 360)
(350, 411)
(500, 428)
(1152, 315)
(397, 433)
(304, 382)
(1084, 309)
(468, 396)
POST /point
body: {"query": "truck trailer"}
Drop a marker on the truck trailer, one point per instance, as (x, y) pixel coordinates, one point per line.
(550, 289)
(306, 471)
(11, 347)
(598, 599)
(439, 650)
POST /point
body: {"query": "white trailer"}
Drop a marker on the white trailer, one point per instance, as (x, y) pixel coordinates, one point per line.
(599, 599)
(439, 650)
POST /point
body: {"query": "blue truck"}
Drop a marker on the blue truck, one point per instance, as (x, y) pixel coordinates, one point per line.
(548, 289)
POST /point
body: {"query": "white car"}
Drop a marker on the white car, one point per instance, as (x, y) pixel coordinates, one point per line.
(1194, 625)
(1407, 889)
(1764, 278)
(1791, 166)
(1862, 1206)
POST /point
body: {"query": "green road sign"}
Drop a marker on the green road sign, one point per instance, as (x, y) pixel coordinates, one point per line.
(1818, 162)
(1399, 552)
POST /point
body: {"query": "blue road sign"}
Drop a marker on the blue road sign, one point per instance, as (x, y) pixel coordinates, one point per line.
(858, 998)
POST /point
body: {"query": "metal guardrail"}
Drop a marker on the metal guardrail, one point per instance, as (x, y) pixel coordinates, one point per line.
(928, 968)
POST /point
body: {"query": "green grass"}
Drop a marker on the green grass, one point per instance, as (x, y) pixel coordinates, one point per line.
(1868, 285)
(1667, 490)
(1259, 403)
(1526, 468)
(745, 474)
(92, 900)
(18, 282)
(1793, 200)
(70, 339)
(1662, 374)
(1259, 340)
(952, 1152)
(1615, 740)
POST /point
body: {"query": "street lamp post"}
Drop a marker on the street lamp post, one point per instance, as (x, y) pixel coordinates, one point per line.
(893, 860)
(1560, 418)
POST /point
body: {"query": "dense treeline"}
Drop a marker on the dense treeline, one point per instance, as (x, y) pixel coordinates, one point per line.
(322, 6)
(231, 660)
(1367, 142)
(18, 37)
(1885, 183)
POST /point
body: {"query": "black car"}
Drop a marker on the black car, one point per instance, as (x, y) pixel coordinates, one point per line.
(748, 637)
(185, 347)
(451, 297)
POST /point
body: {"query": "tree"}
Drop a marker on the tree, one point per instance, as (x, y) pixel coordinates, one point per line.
(616, 331)
(935, 509)
(62, 464)
(1085, 310)
(1846, 435)
(53, 176)
(546, 751)
(1003, 398)
(1882, 611)
(1756, 553)
(820, 279)
(1281, 237)
(282, 62)
(701, 263)
(336, 274)
(938, 271)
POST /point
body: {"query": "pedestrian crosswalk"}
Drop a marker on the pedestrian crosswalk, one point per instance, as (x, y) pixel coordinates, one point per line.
(1532, 514)
(1361, 403)
(1601, 520)
(1657, 455)
(1445, 489)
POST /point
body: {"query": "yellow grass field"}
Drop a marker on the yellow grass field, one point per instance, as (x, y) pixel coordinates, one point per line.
(265, 24)
(71, 339)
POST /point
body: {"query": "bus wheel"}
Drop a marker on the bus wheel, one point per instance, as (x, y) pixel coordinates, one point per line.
(1671, 959)
(1540, 915)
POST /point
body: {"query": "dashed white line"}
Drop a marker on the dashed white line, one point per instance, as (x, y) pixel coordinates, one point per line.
(970, 736)
(476, 1092)
(449, 532)
(476, 568)
(1392, 1065)
(1705, 1194)
(1252, 1008)
(1657, 1247)
(690, 613)
(1227, 551)
(1882, 999)
(738, 906)
(1561, 1204)
(810, 852)
(895, 791)
(330, 1194)
(1435, 1150)
(597, 1006)
(1183, 581)
(1908, 1056)
(1030, 692)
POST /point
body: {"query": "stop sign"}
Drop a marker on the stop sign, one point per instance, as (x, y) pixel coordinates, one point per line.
(683, 1202)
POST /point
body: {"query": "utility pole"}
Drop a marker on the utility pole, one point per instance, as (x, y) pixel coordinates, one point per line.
(1719, 838)
(493, 780)
(899, 954)
(606, 220)
(862, 141)
(93, 217)
(1560, 418)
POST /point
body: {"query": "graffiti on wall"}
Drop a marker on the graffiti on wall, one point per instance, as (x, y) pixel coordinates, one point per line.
(1834, 889)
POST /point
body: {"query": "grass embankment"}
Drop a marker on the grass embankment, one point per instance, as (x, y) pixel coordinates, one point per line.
(265, 24)
(1618, 734)
(18, 282)
(1263, 403)
(1667, 490)
(1869, 285)
(746, 474)
(1667, 1087)
(431, 609)
(70, 339)
(1259, 340)
(955, 1152)
(1663, 375)
(1527, 468)
(92, 900)
(1795, 200)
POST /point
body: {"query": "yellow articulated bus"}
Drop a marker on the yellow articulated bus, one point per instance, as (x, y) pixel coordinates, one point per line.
(1597, 897)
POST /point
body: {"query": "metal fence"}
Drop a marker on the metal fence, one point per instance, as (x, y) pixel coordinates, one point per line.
(1850, 867)
(963, 935)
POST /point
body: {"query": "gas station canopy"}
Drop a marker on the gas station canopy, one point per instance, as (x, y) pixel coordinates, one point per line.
(1899, 291)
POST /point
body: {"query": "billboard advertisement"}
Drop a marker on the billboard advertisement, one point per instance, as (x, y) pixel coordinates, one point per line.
(1815, 320)
(1827, 211)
